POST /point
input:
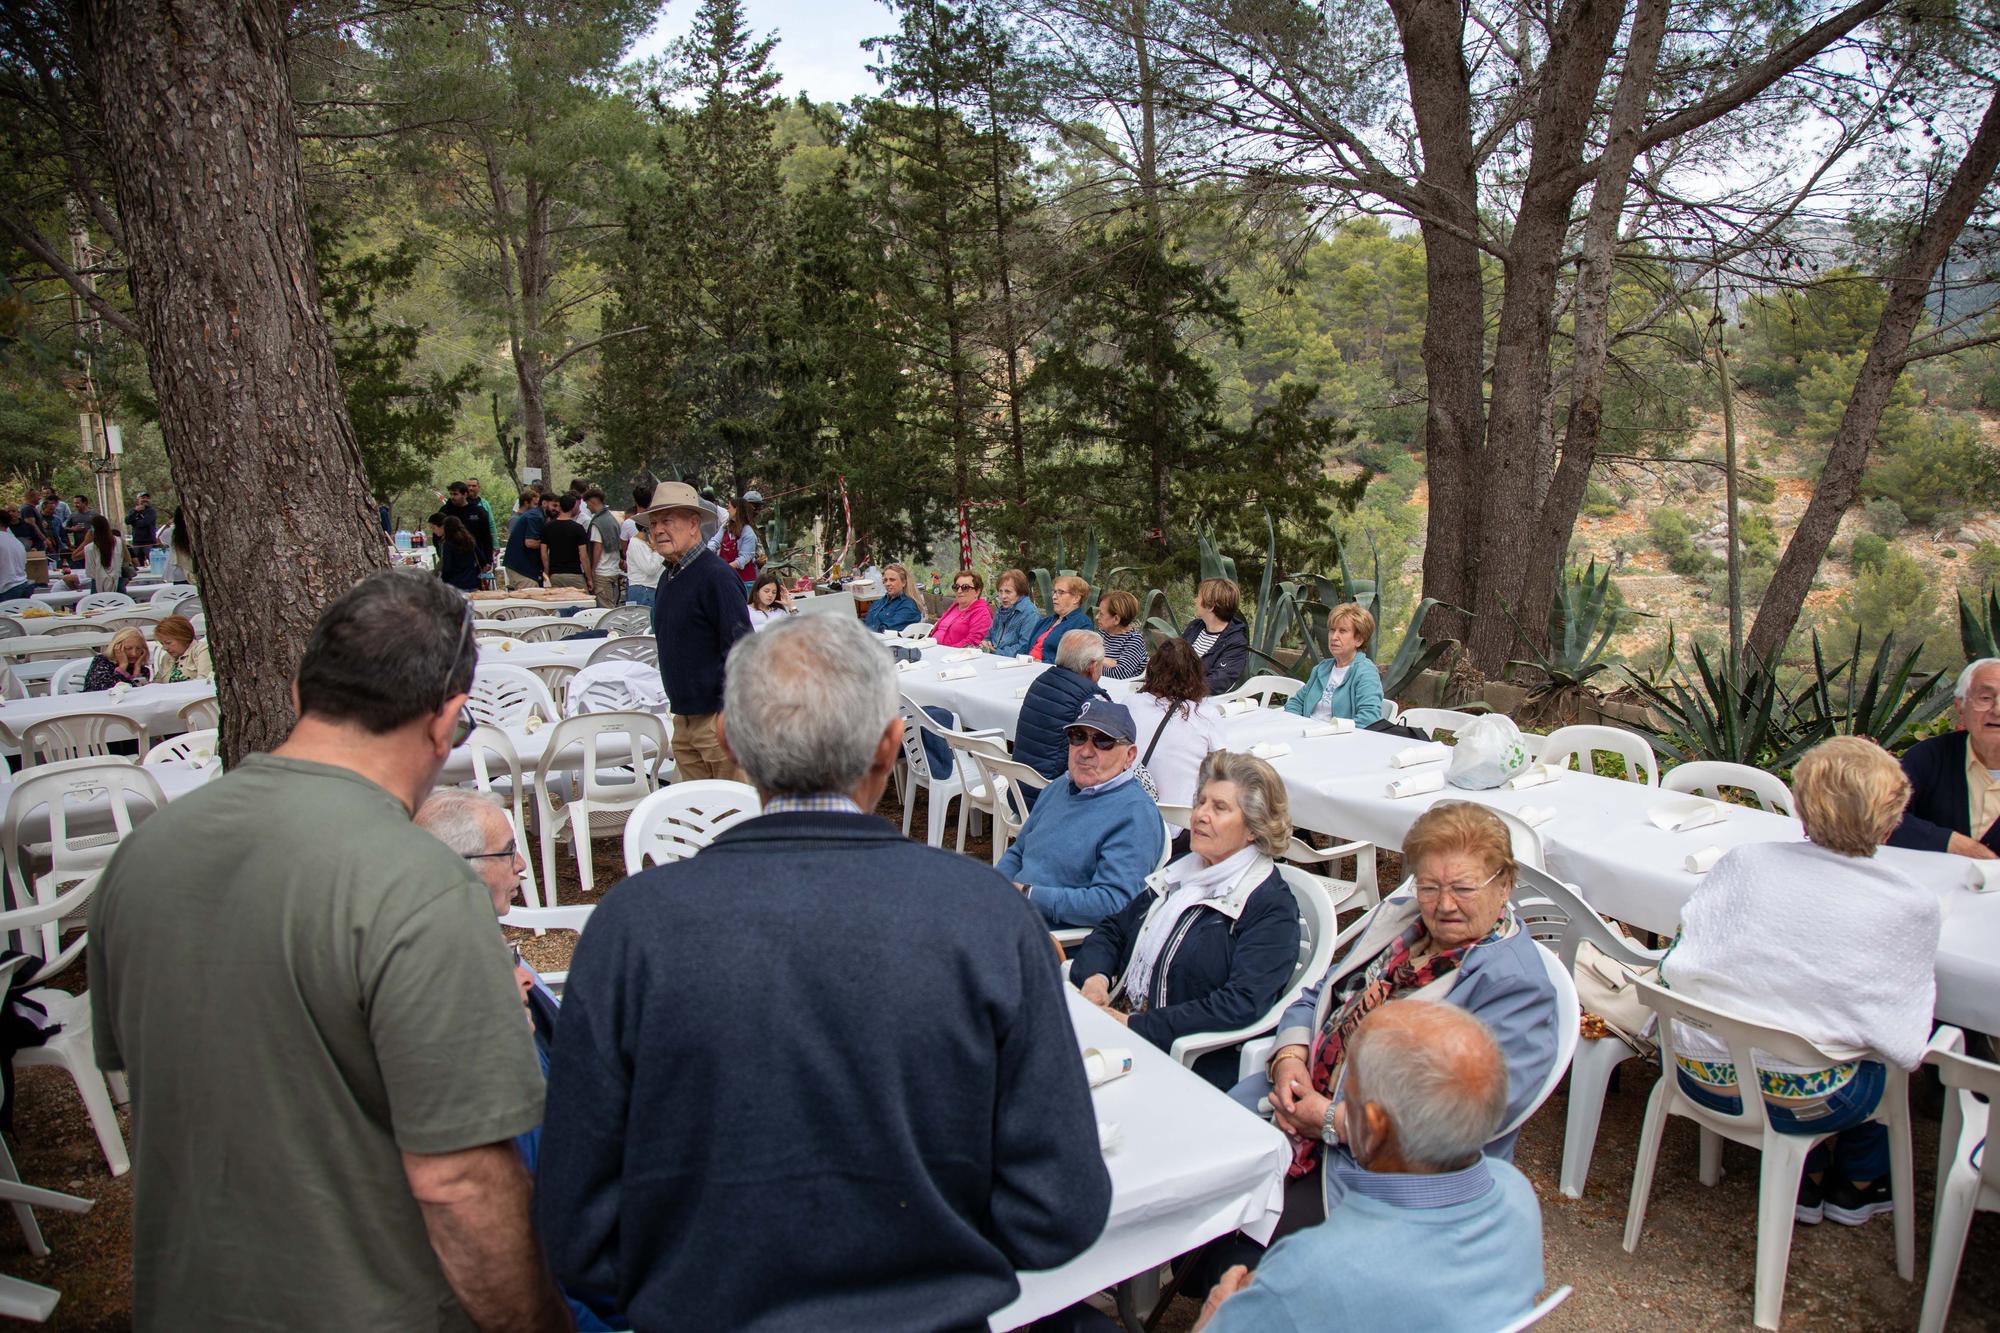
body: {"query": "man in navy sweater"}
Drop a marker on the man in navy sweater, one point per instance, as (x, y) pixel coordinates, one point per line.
(1955, 778)
(817, 1076)
(698, 615)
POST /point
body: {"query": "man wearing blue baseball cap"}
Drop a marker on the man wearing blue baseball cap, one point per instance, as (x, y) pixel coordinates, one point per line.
(1094, 834)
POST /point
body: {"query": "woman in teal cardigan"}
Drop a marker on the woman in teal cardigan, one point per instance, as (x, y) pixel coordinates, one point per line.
(1346, 684)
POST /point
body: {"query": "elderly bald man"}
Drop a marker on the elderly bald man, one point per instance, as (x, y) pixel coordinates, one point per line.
(1426, 1089)
(1955, 778)
(474, 825)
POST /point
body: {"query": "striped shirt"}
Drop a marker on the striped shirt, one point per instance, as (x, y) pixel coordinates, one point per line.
(1128, 652)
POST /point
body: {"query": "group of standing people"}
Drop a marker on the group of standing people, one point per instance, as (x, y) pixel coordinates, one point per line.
(76, 535)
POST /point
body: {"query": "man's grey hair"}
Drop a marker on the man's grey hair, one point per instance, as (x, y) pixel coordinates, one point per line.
(452, 816)
(806, 703)
(1438, 1074)
(1965, 677)
(1080, 650)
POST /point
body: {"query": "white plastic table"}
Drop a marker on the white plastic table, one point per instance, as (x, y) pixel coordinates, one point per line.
(990, 698)
(60, 598)
(515, 653)
(155, 707)
(1601, 841)
(1190, 1165)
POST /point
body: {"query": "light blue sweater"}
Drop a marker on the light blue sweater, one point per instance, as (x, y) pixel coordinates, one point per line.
(1377, 1262)
(1084, 857)
(1359, 696)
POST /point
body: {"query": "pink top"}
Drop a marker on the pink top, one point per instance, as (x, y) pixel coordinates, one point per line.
(963, 626)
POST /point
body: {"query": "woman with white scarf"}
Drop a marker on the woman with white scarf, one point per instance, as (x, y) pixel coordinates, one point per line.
(1213, 941)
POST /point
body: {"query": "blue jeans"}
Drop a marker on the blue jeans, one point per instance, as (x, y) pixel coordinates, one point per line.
(638, 595)
(1860, 1145)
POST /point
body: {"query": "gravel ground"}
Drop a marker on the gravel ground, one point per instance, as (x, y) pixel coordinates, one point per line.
(1693, 1270)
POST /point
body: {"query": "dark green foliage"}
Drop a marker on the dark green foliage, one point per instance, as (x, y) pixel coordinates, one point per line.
(1942, 467)
(1884, 516)
(1979, 625)
(1888, 705)
(1582, 618)
(1868, 552)
(1736, 714)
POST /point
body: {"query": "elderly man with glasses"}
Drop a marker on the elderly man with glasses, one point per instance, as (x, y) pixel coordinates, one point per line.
(1094, 834)
(328, 1059)
(1955, 778)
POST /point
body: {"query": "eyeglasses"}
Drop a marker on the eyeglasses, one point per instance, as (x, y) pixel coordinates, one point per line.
(964, 587)
(1085, 736)
(1459, 892)
(509, 852)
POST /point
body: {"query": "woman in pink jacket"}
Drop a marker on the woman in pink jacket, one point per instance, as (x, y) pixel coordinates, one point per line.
(965, 622)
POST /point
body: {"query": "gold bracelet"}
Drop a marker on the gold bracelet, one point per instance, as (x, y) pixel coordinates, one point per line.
(1303, 1056)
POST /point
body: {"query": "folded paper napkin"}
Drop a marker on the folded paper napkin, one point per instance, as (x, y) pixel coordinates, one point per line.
(1109, 1137)
(1701, 862)
(957, 673)
(1101, 1066)
(1270, 749)
(1237, 707)
(1417, 785)
(905, 664)
(1411, 756)
(1014, 663)
(1534, 775)
(1981, 876)
(962, 655)
(920, 643)
(1534, 816)
(1681, 816)
(1328, 726)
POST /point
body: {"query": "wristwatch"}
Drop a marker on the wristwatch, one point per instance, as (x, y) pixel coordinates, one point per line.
(1327, 1133)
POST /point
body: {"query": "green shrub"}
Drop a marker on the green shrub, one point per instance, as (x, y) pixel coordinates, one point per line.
(1868, 552)
(1884, 516)
(1599, 501)
(1945, 467)
(1983, 565)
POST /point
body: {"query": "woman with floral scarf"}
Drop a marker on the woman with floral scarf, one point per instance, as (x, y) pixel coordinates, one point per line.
(1448, 934)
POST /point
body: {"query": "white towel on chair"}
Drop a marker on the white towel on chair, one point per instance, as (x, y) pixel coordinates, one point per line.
(640, 679)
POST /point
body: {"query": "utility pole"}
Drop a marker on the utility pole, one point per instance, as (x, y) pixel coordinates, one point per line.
(102, 441)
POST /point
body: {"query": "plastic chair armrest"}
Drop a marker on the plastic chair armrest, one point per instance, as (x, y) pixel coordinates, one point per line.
(1186, 1049)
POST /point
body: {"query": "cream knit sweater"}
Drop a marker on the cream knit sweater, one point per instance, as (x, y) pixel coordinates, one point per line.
(1839, 949)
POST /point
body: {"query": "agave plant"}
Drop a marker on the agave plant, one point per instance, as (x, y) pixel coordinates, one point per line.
(1580, 628)
(1741, 716)
(1888, 705)
(1979, 626)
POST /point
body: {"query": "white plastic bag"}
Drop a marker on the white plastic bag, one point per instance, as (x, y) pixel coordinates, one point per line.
(1489, 751)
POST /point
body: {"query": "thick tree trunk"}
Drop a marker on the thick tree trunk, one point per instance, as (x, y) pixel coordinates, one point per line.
(1515, 462)
(1848, 455)
(1454, 346)
(197, 110)
(1591, 344)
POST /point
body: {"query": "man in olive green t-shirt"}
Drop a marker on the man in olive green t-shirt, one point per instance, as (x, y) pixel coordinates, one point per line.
(327, 1058)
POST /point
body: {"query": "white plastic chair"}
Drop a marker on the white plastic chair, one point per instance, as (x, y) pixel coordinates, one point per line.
(19, 1299)
(1556, 915)
(201, 715)
(627, 620)
(1363, 891)
(503, 695)
(1319, 929)
(1540, 1312)
(1584, 743)
(524, 610)
(1708, 777)
(917, 629)
(191, 749)
(941, 790)
(13, 627)
(492, 743)
(543, 919)
(971, 750)
(1784, 1154)
(70, 1048)
(68, 627)
(69, 677)
(13, 606)
(1968, 1178)
(555, 677)
(1568, 1020)
(89, 794)
(1010, 779)
(600, 696)
(1266, 690)
(97, 601)
(174, 596)
(1391, 710)
(595, 799)
(631, 648)
(679, 820)
(1527, 843)
(549, 630)
(80, 735)
(1434, 720)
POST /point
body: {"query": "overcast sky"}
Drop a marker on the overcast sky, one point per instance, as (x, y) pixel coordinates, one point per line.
(819, 41)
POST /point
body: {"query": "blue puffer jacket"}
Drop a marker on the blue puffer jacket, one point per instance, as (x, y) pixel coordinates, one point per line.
(1052, 703)
(1227, 968)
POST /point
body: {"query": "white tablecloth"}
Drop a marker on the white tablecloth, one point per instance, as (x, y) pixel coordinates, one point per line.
(1191, 1165)
(61, 599)
(559, 653)
(990, 698)
(154, 707)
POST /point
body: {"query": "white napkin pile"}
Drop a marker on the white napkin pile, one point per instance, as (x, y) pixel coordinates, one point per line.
(1411, 756)
(1417, 785)
(1237, 707)
(1534, 775)
(957, 673)
(1270, 749)
(1102, 1066)
(1328, 726)
(1681, 816)
(1703, 861)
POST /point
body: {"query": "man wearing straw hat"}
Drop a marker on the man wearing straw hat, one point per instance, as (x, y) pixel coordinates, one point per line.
(698, 615)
